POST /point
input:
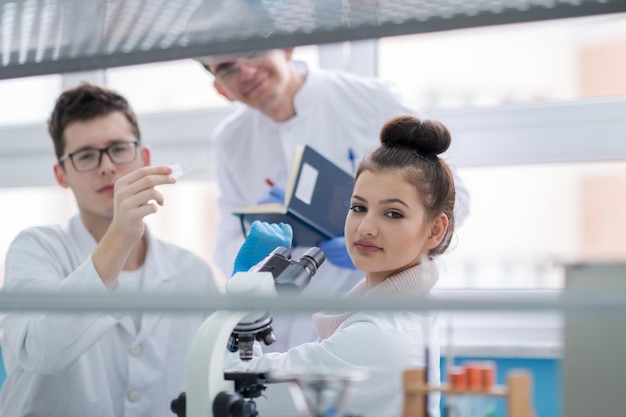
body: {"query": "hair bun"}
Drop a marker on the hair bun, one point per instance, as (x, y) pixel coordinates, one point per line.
(426, 137)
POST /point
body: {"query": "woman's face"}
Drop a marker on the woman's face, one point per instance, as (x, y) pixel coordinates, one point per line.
(387, 229)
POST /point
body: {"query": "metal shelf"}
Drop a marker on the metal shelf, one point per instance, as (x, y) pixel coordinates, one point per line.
(53, 36)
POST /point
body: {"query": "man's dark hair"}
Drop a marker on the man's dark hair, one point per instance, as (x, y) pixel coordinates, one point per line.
(82, 103)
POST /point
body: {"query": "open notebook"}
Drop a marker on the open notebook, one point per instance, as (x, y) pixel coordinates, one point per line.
(317, 198)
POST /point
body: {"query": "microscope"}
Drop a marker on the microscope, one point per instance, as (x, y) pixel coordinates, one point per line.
(212, 393)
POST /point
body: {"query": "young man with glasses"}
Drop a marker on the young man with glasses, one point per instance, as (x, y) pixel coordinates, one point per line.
(99, 363)
(286, 104)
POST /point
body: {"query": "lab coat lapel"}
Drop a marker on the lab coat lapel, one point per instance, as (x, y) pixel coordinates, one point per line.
(127, 324)
(86, 243)
(159, 277)
(86, 246)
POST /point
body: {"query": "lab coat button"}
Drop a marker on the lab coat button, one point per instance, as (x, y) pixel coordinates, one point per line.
(135, 350)
(133, 396)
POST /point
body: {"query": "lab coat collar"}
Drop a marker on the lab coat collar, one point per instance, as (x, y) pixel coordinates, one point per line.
(307, 93)
(85, 242)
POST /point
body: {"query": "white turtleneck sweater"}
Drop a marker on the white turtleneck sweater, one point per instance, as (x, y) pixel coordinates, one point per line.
(382, 344)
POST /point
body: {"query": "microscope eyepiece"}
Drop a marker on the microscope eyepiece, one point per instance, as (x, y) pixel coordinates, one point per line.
(291, 276)
(312, 259)
(298, 273)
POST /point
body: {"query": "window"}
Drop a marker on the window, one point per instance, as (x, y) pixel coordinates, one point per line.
(526, 221)
(31, 206)
(28, 100)
(165, 86)
(176, 85)
(490, 66)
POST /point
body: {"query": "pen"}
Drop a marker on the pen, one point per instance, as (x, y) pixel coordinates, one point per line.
(351, 158)
(269, 182)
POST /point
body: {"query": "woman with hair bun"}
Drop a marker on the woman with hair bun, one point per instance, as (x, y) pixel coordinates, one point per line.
(401, 216)
(409, 152)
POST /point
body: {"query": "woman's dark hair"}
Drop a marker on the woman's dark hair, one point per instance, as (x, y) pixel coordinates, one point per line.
(412, 146)
(82, 103)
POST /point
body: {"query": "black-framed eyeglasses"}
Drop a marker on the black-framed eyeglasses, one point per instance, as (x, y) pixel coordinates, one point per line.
(85, 160)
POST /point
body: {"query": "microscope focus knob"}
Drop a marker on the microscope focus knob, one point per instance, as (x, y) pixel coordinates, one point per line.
(233, 404)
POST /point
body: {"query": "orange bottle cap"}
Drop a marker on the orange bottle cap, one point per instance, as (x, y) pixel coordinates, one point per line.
(487, 375)
(457, 378)
(472, 372)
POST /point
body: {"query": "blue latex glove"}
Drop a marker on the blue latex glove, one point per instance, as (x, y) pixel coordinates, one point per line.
(276, 194)
(262, 239)
(336, 253)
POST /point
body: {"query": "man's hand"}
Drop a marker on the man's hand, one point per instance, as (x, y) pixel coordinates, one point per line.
(276, 194)
(135, 198)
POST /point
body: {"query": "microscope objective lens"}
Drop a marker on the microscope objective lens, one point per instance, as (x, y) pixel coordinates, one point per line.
(246, 341)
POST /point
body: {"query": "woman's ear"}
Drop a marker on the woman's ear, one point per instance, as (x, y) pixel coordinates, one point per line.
(438, 228)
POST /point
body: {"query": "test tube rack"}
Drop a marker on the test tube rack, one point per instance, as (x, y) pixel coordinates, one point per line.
(517, 393)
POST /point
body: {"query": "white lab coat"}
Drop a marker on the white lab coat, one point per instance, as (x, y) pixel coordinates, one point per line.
(335, 112)
(382, 344)
(94, 364)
